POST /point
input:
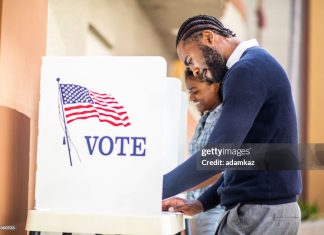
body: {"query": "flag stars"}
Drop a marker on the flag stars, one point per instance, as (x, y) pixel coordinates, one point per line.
(75, 94)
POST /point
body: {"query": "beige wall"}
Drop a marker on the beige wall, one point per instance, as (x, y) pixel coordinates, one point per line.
(233, 19)
(276, 33)
(122, 23)
(315, 117)
(22, 43)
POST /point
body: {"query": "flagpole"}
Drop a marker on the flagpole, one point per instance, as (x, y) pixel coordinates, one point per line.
(65, 127)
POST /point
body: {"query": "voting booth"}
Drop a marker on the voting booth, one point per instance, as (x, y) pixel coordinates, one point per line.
(109, 128)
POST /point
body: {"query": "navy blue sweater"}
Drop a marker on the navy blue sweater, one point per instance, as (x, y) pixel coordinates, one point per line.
(257, 108)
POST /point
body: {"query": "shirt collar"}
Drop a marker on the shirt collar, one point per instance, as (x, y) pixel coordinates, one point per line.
(210, 114)
(239, 50)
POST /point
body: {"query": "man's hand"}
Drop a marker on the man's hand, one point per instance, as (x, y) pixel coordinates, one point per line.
(187, 207)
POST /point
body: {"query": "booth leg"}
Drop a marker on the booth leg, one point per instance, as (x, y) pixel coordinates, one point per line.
(34, 233)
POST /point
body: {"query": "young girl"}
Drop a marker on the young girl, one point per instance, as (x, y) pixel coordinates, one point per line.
(205, 94)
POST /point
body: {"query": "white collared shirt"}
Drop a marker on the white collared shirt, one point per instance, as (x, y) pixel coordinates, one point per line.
(239, 50)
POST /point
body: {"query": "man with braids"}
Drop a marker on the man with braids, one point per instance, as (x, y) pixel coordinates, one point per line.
(257, 108)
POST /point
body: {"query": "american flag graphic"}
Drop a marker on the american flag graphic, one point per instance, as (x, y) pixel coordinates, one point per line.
(79, 103)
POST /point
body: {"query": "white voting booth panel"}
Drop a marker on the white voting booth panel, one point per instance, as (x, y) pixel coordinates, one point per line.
(182, 140)
(174, 132)
(109, 128)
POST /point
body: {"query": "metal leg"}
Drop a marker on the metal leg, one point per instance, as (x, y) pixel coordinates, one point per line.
(34, 233)
(187, 230)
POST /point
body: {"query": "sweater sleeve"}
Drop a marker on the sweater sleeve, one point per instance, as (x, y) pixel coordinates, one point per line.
(210, 198)
(244, 93)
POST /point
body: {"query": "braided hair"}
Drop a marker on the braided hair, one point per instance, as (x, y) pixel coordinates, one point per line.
(202, 22)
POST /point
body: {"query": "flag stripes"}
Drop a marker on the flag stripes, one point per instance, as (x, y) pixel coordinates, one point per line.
(79, 103)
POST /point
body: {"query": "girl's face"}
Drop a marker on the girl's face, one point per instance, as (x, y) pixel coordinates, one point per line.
(204, 95)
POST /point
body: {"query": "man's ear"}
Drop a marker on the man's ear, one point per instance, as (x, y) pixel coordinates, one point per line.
(208, 36)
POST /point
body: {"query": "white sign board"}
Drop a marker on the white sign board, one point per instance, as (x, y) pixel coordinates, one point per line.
(102, 127)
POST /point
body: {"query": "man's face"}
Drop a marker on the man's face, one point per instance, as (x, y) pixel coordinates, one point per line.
(205, 96)
(203, 60)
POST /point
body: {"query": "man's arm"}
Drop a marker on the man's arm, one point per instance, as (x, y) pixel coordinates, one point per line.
(184, 177)
(212, 180)
(193, 207)
(210, 198)
(244, 93)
